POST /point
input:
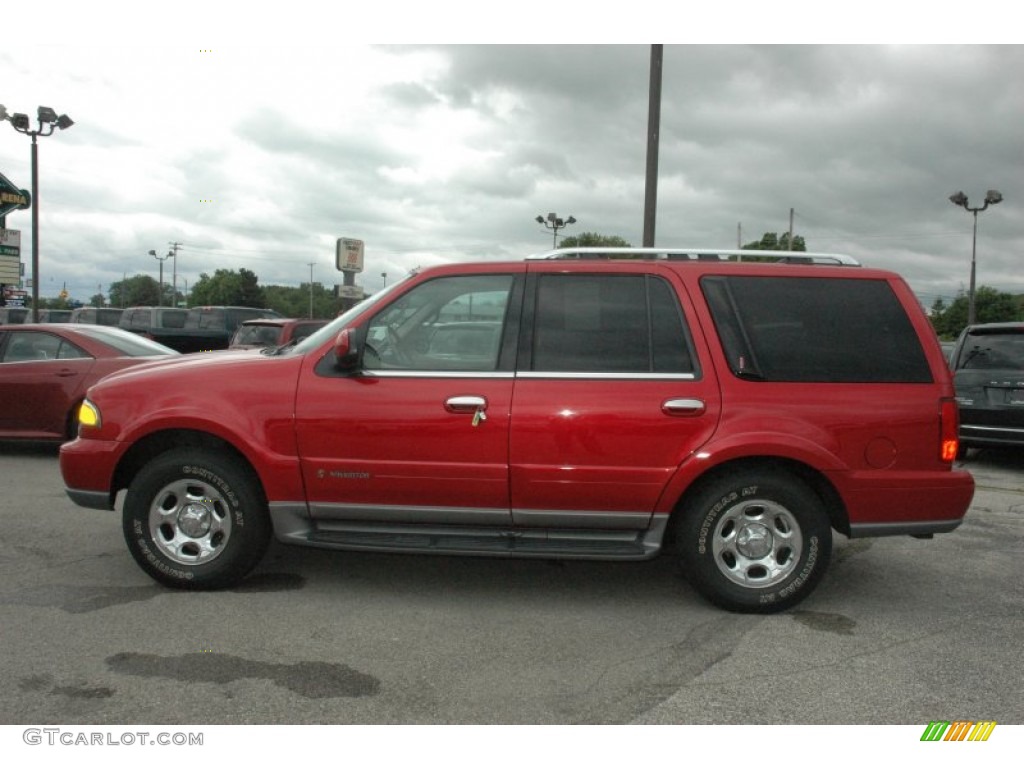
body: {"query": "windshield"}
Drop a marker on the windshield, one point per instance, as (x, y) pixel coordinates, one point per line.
(330, 330)
(993, 351)
(130, 344)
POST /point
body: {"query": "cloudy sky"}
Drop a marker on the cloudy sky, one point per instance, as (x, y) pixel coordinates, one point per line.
(258, 151)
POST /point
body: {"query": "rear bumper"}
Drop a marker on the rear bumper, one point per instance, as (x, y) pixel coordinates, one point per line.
(87, 467)
(992, 426)
(915, 504)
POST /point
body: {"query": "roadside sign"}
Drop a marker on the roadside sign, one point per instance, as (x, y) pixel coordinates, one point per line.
(349, 255)
(10, 242)
(12, 198)
(10, 270)
(350, 292)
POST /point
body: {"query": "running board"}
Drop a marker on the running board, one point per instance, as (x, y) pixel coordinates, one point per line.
(479, 541)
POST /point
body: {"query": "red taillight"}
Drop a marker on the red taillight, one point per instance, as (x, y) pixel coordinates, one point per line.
(949, 429)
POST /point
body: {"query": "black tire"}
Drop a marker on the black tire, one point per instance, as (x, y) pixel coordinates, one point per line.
(758, 541)
(196, 520)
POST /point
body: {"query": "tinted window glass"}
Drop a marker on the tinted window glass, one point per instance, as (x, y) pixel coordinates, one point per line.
(608, 323)
(815, 329)
(988, 350)
(172, 318)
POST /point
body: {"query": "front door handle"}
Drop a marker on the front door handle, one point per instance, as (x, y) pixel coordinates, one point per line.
(684, 406)
(468, 404)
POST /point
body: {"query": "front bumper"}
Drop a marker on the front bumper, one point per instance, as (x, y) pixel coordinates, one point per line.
(87, 467)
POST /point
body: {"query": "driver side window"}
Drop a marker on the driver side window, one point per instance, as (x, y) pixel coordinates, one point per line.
(446, 324)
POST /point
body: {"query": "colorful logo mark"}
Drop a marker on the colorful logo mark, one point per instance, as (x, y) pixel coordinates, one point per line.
(958, 730)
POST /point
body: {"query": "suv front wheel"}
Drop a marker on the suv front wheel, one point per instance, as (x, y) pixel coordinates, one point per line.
(754, 542)
(196, 520)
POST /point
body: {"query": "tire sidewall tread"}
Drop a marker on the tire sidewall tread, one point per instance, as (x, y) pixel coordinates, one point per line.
(702, 514)
(250, 527)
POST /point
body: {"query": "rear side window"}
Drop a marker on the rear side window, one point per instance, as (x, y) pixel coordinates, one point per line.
(172, 318)
(815, 330)
(608, 324)
(207, 318)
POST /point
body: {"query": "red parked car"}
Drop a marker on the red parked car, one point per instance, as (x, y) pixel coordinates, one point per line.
(273, 332)
(45, 371)
(731, 413)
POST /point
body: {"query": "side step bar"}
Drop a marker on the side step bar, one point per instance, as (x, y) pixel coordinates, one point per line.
(466, 540)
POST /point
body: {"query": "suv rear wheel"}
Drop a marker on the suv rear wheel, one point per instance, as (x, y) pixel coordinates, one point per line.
(195, 520)
(755, 542)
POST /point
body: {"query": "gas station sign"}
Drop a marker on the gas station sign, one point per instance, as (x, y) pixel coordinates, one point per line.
(349, 255)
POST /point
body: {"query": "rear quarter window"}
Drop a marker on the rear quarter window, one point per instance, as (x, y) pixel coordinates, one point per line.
(812, 329)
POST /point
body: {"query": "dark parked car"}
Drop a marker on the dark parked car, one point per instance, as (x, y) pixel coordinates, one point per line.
(96, 315)
(46, 369)
(54, 316)
(163, 325)
(273, 332)
(211, 328)
(988, 374)
(14, 315)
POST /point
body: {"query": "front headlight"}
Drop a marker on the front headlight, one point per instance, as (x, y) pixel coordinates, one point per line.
(89, 416)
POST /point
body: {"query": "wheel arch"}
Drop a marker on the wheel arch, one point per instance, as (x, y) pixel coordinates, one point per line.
(158, 443)
(815, 480)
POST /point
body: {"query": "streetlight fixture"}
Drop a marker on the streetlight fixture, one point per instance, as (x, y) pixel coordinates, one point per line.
(161, 259)
(554, 224)
(49, 120)
(991, 198)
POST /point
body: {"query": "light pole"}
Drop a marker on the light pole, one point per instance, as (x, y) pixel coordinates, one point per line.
(554, 224)
(48, 122)
(161, 259)
(991, 198)
(311, 265)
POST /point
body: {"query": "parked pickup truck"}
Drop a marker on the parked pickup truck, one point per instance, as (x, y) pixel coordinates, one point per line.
(199, 329)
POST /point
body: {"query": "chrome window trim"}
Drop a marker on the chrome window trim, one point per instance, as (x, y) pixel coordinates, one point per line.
(411, 374)
(574, 375)
(605, 376)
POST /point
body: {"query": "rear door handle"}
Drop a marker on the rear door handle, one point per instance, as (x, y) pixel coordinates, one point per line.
(65, 372)
(684, 406)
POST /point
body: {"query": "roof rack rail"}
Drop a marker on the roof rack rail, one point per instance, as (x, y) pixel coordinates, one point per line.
(700, 254)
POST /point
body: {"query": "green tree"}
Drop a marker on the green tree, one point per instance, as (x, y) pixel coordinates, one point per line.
(771, 241)
(294, 302)
(137, 291)
(97, 300)
(228, 287)
(990, 306)
(593, 240)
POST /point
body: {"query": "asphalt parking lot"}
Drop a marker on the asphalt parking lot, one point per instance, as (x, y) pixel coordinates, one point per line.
(901, 631)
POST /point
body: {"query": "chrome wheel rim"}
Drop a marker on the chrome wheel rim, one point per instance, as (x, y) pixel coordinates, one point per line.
(189, 522)
(757, 543)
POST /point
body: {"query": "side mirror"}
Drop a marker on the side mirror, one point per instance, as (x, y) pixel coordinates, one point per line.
(346, 351)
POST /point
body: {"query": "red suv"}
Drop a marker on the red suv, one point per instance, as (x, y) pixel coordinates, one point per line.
(601, 404)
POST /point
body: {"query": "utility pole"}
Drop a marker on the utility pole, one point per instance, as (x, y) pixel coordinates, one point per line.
(791, 229)
(174, 273)
(311, 265)
(653, 132)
